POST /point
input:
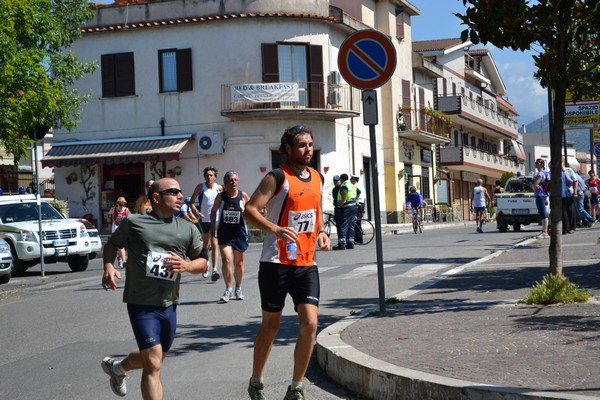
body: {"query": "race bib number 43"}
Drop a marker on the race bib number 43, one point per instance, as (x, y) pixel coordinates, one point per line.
(155, 267)
(302, 221)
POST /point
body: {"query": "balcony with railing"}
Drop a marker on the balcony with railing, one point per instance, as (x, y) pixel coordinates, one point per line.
(479, 111)
(423, 125)
(471, 159)
(315, 100)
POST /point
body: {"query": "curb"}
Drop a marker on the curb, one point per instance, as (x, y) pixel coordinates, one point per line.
(379, 380)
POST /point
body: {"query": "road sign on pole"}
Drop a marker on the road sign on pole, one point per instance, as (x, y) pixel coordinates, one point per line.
(367, 59)
(369, 100)
(597, 149)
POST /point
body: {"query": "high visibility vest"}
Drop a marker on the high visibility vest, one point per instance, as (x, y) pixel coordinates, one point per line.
(352, 193)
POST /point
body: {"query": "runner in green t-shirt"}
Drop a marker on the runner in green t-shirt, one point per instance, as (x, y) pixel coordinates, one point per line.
(160, 247)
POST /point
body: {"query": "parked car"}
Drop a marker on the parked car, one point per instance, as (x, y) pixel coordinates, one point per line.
(5, 261)
(94, 236)
(62, 239)
(516, 206)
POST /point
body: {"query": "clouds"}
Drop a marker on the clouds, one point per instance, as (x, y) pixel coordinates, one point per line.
(522, 88)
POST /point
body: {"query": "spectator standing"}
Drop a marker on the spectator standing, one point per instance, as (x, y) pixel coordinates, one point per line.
(292, 195)
(231, 233)
(360, 206)
(142, 204)
(586, 219)
(117, 214)
(568, 193)
(594, 184)
(206, 193)
(479, 202)
(161, 247)
(540, 182)
(348, 210)
(334, 194)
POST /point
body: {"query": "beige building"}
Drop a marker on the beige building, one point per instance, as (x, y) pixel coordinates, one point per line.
(484, 134)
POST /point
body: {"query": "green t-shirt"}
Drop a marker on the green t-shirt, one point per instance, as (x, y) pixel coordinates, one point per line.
(146, 234)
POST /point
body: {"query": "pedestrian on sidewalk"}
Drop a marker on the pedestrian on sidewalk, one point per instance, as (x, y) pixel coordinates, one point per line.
(540, 183)
(594, 184)
(231, 233)
(294, 227)
(161, 247)
(568, 193)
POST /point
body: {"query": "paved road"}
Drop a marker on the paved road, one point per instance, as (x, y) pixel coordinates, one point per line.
(55, 330)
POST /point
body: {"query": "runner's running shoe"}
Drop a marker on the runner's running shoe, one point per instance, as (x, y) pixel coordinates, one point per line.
(256, 390)
(117, 383)
(227, 295)
(238, 294)
(294, 393)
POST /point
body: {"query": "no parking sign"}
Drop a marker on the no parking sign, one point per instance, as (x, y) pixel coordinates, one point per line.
(367, 59)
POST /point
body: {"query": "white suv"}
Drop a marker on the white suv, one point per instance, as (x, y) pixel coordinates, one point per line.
(62, 239)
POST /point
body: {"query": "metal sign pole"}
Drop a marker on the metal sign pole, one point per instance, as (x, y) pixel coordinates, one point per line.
(39, 207)
(371, 118)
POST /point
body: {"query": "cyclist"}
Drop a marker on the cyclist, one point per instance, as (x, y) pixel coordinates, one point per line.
(415, 200)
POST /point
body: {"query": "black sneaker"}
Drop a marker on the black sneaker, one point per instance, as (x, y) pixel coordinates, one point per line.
(350, 245)
(339, 247)
(294, 393)
(256, 390)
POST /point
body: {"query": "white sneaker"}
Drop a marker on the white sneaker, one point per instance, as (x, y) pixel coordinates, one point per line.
(238, 294)
(227, 295)
(205, 274)
(120, 263)
(117, 383)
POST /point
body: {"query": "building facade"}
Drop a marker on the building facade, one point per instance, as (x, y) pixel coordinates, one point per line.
(483, 132)
(184, 85)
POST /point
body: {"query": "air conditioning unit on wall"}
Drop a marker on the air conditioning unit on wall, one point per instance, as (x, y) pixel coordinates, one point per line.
(209, 143)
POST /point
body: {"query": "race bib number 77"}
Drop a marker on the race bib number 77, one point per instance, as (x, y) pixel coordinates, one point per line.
(155, 267)
(302, 221)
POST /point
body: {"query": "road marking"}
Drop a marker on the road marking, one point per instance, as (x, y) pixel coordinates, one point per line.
(422, 270)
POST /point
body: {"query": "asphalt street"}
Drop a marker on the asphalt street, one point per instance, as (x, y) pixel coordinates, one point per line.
(56, 329)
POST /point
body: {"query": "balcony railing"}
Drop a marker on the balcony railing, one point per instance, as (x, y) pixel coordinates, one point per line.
(478, 108)
(461, 155)
(321, 100)
(423, 120)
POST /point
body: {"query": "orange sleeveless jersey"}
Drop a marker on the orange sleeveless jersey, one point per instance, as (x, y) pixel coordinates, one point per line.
(298, 204)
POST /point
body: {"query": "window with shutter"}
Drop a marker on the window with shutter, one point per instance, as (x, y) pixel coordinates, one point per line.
(293, 62)
(175, 70)
(118, 75)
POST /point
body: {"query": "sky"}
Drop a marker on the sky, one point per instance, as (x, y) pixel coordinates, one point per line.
(516, 68)
(436, 21)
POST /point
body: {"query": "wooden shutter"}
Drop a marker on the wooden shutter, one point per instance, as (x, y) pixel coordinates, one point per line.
(421, 107)
(399, 24)
(315, 71)
(184, 70)
(407, 114)
(270, 62)
(125, 74)
(107, 62)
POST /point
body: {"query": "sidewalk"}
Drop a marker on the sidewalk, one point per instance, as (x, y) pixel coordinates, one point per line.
(464, 337)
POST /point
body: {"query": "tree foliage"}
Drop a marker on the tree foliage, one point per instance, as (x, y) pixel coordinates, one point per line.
(37, 71)
(565, 35)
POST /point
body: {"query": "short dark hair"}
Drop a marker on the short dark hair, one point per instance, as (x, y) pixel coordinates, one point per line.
(213, 169)
(343, 177)
(290, 134)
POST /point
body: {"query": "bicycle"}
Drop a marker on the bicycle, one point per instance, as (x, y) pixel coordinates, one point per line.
(417, 221)
(364, 229)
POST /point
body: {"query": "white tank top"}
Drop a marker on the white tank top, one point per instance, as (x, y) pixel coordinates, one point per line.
(207, 200)
(478, 197)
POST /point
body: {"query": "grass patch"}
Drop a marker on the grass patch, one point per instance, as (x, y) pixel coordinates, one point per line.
(354, 312)
(555, 289)
(598, 240)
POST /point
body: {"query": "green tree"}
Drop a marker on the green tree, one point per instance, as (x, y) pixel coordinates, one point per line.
(564, 36)
(37, 71)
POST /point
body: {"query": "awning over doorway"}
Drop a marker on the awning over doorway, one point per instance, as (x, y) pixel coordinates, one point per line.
(116, 151)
